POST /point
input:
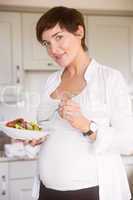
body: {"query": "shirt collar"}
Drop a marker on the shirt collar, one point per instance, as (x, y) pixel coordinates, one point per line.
(88, 73)
(90, 70)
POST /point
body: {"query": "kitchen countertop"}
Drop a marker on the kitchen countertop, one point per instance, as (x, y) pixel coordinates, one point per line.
(4, 158)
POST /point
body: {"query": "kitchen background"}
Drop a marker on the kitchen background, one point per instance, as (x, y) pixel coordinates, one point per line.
(25, 66)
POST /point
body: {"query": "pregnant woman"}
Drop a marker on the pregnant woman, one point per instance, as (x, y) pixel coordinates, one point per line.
(88, 112)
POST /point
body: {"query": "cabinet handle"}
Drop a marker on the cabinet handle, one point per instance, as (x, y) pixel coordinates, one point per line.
(50, 64)
(17, 74)
(3, 190)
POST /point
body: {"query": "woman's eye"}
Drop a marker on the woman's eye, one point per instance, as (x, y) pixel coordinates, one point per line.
(58, 37)
(46, 44)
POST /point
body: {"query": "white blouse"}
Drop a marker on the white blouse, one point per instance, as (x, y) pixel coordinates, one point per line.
(70, 161)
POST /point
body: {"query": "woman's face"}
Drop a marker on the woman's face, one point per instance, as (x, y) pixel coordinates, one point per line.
(62, 46)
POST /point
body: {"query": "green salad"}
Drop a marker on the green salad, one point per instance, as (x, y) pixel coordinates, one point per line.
(20, 123)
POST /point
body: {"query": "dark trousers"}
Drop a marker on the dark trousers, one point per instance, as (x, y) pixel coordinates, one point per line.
(91, 193)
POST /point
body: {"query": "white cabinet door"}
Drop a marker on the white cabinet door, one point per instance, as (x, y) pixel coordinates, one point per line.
(35, 56)
(10, 48)
(21, 175)
(21, 189)
(4, 181)
(110, 41)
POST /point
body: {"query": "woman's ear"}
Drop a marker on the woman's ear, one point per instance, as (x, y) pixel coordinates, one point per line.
(80, 32)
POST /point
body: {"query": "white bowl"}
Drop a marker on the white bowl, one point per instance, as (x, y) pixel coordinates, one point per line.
(22, 134)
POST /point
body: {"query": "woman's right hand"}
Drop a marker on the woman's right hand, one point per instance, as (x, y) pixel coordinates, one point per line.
(33, 142)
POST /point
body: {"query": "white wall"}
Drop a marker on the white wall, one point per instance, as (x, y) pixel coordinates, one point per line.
(86, 4)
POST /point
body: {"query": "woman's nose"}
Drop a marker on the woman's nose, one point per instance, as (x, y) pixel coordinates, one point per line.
(54, 49)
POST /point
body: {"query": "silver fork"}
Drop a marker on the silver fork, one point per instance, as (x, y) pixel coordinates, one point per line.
(49, 118)
(65, 96)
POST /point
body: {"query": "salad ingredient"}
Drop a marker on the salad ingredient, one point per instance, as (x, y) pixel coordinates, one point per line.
(20, 123)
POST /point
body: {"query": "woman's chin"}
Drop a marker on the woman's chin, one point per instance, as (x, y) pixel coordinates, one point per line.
(62, 64)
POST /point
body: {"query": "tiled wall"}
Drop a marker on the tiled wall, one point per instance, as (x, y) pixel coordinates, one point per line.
(33, 84)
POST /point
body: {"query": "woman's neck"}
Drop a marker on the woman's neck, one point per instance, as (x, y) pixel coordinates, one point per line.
(79, 65)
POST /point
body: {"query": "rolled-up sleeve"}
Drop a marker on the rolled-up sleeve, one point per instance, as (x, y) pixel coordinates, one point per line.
(118, 137)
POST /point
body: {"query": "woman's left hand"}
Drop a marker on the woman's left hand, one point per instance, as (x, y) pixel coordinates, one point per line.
(70, 110)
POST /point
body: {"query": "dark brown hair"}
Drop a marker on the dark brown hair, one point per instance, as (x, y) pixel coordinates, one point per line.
(68, 18)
